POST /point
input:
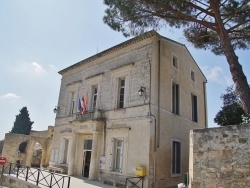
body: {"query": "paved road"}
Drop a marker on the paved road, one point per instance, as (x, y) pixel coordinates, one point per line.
(85, 183)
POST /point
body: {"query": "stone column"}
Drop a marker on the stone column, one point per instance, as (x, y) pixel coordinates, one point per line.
(93, 160)
(72, 155)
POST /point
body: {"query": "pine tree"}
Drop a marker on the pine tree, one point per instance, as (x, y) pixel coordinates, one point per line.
(22, 124)
(231, 113)
(221, 26)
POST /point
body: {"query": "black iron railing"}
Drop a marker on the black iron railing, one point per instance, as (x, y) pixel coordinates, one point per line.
(36, 176)
(135, 182)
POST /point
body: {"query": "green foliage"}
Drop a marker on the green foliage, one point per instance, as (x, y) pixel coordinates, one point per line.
(231, 113)
(22, 124)
(202, 21)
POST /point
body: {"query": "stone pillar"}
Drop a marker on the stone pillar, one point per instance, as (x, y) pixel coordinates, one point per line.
(72, 155)
(92, 169)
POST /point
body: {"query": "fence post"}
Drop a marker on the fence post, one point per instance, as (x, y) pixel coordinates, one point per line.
(51, 180)
(69, 182)
(27, 170)
(10, 168)
(17, 173)
(2, 169)
(37, 180)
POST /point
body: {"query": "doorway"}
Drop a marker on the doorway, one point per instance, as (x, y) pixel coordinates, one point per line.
(86, 163)
(86, 158)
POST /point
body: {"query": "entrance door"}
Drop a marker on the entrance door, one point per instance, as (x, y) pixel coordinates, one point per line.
(86, 163)
(86, 158)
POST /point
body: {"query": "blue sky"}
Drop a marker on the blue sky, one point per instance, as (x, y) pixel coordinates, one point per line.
(39, 38)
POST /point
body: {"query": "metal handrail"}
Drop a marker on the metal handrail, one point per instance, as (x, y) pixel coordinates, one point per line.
(36, 175)
(135, 184)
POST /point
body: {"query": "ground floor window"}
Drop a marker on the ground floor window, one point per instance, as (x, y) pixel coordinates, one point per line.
(64, 151)
(54, 155)
(116, 154)
(176, 157)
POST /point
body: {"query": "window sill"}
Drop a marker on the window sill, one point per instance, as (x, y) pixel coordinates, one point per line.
(175, 175)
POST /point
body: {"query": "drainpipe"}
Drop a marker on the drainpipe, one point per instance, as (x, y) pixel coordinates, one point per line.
(205, 102)
(151, 115)
(159, 89)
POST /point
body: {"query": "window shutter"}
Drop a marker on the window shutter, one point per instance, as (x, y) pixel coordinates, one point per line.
(56, 155)
(121, 155)
(69, 150)
(111, 154)
(62, 147)
(52, 155)
(178, 158)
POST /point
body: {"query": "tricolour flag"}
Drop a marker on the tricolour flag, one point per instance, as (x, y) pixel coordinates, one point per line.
(79, 105)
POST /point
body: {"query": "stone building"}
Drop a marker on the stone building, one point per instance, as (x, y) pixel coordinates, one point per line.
(128, 106)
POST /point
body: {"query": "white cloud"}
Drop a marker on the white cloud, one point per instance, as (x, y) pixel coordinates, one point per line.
(216, 74)
(38, 68)
(10, 96)
(30, 68)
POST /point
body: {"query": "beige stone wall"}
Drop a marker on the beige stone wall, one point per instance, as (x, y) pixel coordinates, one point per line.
(174, 127)
(11, 146)
(220, 157)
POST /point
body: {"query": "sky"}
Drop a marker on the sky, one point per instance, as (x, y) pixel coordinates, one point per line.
(38, 38)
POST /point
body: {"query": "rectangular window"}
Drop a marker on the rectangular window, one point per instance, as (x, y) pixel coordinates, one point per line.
(121, 96)
(54, 155)
(194, 108)
(116, 154)
(176, 157)
(72, 105)
(64, 151)
(175, 98)
(88, 144)
(192, 76)
(175, 62)
(94, 98)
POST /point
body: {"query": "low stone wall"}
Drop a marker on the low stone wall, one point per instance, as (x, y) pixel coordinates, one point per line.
(220, 157)
(10, 181)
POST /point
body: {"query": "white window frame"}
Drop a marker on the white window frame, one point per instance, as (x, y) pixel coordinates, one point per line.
(62, 150)
(120, 87)
(113, 155)
(123, 72)
(194, 112)
(175, 98)
(173, 174)
(54, 154)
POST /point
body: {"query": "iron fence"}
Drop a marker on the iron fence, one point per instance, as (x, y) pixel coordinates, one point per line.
(36, 176)
(135, 182)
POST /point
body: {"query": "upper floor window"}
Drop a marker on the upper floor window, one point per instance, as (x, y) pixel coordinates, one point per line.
(176, 157)
(94, 97)
(72, 105)
(192, 75)
(175, 61)
(175, 98)
(194, 108)
(121, 93)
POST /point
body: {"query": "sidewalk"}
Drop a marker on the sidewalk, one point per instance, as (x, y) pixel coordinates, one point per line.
(86, 183)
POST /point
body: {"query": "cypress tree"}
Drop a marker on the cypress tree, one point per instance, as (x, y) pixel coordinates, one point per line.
(22, 124)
